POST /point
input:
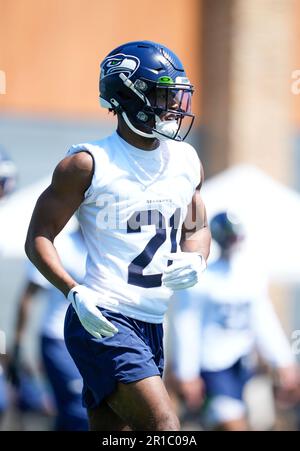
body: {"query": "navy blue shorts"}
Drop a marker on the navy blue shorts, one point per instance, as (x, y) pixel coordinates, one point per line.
(229, 382)
(134, 353)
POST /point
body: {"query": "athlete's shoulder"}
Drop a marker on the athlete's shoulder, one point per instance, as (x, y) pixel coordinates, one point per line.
(187, 159)
(77, 163)
(100, 146)
(191, 153)
(183, 150)
(73, 174)
(84, 164)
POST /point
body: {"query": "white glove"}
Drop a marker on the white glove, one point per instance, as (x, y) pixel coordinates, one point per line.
(185, 270)
(84, 301)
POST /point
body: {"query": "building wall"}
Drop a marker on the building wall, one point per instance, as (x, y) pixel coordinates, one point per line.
(247, 101)
(50, 50)
(296, 66)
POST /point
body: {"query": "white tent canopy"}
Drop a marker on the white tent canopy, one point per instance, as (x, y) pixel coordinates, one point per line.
(15, 215)
(270, 212)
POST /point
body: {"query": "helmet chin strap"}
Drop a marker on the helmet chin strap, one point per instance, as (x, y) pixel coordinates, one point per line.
(134, 129)
(164, 129)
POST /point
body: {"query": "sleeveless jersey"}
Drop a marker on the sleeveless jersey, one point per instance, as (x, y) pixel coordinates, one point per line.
(131, 217)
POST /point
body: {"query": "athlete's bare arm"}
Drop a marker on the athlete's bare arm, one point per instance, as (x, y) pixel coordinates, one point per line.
(195, 231)
(53, 210)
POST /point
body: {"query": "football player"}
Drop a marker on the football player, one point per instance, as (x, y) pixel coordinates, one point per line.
(60, 369)
(134, 191)
(215, 328)
(8, 176)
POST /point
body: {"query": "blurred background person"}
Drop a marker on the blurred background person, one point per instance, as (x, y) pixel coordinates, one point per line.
(216, 326)
(8, 179)
(64, 378)
(8, 174)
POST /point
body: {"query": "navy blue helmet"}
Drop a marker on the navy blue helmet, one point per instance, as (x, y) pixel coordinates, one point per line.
(146, 84)
(8, 174)
(226, 229)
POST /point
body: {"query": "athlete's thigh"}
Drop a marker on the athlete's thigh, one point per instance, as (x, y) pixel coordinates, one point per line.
(143, 404)
(103, 418)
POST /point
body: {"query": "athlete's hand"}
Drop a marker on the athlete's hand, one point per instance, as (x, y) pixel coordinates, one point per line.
(84, 301)
(185, 270)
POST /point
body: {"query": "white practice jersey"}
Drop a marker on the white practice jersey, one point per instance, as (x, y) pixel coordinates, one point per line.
(131, 217)
(72, 252)
(224, 318)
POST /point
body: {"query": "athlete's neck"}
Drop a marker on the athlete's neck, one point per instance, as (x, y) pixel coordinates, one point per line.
(135, 140)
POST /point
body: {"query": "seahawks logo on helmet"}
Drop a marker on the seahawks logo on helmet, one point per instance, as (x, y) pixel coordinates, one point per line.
(120, 63)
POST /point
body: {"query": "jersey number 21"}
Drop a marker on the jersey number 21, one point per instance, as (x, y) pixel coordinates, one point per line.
(136, 267)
